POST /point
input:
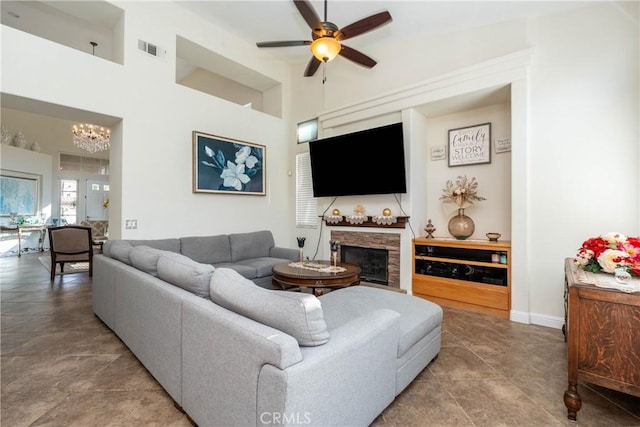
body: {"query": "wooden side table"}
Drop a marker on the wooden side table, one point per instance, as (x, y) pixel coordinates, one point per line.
(603, 338)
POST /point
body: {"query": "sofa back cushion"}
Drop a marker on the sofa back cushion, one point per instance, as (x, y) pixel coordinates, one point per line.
(294, 313)
(185, 273)
(118, 249)
(207, 249)
(172, 245)
(250, 245)
(146, 259)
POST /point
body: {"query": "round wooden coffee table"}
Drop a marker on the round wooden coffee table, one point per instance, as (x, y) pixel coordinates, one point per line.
(286, 277)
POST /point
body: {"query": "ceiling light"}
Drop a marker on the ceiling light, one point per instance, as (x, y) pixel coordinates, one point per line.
(91, 138)
(325, 48)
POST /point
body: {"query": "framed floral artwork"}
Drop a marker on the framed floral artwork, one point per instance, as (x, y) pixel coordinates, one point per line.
(225, 165)
(470, 145)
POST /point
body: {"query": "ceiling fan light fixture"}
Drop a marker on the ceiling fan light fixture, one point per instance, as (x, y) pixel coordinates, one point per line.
(325, 48)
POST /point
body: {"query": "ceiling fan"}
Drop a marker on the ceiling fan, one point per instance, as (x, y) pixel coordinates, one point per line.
(327, 37)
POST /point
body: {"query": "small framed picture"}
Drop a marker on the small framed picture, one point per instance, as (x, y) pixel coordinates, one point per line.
(470, 145)
(503, 145)
(438, 152)
(224, 165)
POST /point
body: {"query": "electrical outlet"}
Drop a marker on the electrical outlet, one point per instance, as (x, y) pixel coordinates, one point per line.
(131, 224)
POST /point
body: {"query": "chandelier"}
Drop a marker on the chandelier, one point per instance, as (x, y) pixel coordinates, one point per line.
(91, 138)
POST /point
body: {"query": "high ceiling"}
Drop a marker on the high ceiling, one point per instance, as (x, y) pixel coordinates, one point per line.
(264, 20)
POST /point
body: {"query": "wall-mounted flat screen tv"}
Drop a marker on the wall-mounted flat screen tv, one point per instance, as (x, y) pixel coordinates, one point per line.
(360, 163)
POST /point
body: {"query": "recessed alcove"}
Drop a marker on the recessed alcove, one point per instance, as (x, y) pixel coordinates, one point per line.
(73, 24)
(206, 71)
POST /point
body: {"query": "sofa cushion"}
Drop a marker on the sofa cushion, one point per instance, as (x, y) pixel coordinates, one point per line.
(297, 314)
(418, 316)
(120, 250)
(250, 245)
(245, 270)
(146, 259)
(172, 245)
(206, 249)
(185, 273)
(263, 265)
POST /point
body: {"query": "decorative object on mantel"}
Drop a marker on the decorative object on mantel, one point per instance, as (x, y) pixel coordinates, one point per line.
(430, 229)
(19, 140)
(92, 138)
(385, 219)
(463, 194)
(493, 237)
(612, 253)
(35, 146)
(334, 218)
(5, 136)
(359, 215)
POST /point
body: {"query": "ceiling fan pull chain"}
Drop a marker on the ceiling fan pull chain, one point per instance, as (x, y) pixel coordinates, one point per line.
(324, 72)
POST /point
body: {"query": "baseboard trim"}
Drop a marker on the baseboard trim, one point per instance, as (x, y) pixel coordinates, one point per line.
(536, 319)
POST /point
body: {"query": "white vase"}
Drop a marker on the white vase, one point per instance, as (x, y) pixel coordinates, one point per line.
(19, 140)
(35, 147)
(5, 136)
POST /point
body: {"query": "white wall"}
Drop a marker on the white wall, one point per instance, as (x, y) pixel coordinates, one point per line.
(151, 154)
(575, 121)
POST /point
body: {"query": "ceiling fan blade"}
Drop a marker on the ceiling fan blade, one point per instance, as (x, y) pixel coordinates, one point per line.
(308, 13)
(284, 43)
(312, 67)
(357, 57)
(363, 25)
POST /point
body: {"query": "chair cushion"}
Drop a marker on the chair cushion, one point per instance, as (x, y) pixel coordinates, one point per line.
(297, 314)
(185, 273)
(250, 245)
(146, 259)
(418, 317)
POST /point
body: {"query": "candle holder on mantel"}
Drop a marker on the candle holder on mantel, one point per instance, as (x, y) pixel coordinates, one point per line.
(430, 229)
(301, 246)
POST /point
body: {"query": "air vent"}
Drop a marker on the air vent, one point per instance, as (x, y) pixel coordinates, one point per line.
(151, 49)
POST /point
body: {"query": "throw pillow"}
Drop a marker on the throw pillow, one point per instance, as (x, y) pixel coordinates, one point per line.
(297, 314)
(120, 250)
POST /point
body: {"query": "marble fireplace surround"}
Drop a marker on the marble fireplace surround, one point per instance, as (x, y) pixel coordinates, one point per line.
(388, 241)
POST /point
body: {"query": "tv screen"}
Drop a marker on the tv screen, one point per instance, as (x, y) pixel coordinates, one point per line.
(366, 162)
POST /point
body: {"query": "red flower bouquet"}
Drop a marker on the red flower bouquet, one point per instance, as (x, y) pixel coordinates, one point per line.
(608, 252)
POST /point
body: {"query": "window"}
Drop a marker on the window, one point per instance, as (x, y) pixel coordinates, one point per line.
(90, 165)
(306, 204)
(68, 200)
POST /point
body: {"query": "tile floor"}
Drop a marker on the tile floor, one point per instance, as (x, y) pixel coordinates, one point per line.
(60, 366)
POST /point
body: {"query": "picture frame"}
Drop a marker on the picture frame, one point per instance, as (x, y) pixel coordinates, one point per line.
(19, 194)
(503, 145)
(438, 152)
(470, 145)
(228, 166)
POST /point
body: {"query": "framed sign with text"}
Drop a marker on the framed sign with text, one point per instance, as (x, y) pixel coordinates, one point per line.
(470, 145)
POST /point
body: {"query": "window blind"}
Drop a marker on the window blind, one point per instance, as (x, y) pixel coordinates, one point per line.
(306, 204)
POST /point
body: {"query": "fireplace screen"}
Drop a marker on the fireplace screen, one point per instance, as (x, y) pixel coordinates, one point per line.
(373, 262)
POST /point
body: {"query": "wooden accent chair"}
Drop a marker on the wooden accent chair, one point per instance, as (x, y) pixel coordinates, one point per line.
(70, 243)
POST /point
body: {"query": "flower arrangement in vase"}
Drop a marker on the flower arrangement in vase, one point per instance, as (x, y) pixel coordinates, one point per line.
(463, 193)
(612, 253)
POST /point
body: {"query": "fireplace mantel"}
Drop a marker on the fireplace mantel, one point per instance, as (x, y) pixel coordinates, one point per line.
(402, 223)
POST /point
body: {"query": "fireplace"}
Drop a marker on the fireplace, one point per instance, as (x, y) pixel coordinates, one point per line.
(387, 242)
(373, 262)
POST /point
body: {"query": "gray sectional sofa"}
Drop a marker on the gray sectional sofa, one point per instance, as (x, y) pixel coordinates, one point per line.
(231, 353)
